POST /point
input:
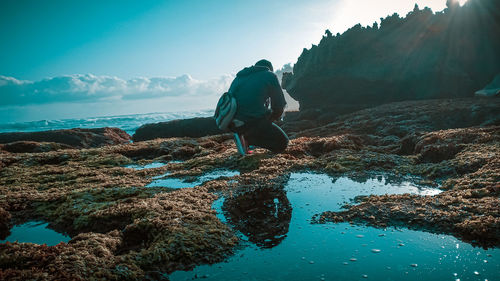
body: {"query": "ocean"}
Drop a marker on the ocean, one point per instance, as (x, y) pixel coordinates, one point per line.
(128, 123)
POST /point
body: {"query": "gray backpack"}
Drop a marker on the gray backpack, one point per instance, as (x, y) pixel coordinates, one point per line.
(225, 111)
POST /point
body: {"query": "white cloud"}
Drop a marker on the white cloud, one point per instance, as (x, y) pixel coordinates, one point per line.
(92, 88)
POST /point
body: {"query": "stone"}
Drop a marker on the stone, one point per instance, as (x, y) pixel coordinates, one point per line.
(193, 128)
(77, 138)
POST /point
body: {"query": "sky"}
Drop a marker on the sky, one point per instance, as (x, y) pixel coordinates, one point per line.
(73, 59)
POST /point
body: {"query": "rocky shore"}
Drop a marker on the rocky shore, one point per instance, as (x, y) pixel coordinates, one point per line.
(122, 230)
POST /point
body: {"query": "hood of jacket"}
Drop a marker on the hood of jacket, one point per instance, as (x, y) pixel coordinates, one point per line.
(251, 70)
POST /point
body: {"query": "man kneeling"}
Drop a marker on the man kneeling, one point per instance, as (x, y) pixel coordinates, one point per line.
(255, 88)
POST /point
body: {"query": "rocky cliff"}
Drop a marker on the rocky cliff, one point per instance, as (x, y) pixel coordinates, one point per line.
(425, 55)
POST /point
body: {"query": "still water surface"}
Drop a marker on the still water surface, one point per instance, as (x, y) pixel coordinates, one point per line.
(35, 232)
(280, 243)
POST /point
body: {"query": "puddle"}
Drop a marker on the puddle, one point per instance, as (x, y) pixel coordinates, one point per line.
(164, 181)
(147, 166)
(280, 243)
(150, 165)
(35, 232)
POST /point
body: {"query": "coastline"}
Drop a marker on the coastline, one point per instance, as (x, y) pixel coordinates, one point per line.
(121, 229)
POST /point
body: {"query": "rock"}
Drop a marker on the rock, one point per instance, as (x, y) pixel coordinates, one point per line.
(193, 128)
(33, 147)
(4, 223)
(78, 138)
(411, 118)
(404, 59)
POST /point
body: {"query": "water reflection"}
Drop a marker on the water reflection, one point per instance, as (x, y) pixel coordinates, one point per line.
(166, 181)
(284, 245)
(262, 215)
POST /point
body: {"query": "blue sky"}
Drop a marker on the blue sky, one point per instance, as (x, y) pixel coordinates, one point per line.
(65, 44)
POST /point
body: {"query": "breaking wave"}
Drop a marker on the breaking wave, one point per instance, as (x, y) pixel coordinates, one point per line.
(128, 123)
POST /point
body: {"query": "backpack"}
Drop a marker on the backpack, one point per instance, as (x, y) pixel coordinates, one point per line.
(225, 111)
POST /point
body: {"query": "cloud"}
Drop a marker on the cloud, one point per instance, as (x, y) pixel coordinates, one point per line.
(92, 88)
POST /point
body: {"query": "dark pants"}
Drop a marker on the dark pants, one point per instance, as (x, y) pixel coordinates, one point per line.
(264, 133)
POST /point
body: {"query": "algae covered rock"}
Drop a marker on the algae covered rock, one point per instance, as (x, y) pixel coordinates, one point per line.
(78, 138)
(33, 147)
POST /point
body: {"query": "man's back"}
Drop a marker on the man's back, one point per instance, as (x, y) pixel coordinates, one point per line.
(252, 87)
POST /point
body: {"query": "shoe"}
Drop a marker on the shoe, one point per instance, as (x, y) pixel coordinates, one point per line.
(250, 149)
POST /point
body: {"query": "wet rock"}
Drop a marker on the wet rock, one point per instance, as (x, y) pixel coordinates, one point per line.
(193, 127)
(402, 119)
(5, 223)
(322, 146)
(33, 147)
(78, 138)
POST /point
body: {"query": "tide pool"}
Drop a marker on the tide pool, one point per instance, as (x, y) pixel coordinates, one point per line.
(37, 233)
(280, 243)
(165, 181)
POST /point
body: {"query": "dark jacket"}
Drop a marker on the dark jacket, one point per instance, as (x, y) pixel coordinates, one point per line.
(252, 87)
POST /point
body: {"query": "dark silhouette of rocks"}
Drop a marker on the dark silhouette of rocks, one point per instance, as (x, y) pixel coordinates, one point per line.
(78, 138)
(193, 128)
(32, 147)
(447, 54)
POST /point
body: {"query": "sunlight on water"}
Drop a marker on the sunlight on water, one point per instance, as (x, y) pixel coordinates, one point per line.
(35, 232)
(128, 123)
(280, 243)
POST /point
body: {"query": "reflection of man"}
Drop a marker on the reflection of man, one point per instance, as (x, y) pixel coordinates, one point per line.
(262, 215)
(253, 87)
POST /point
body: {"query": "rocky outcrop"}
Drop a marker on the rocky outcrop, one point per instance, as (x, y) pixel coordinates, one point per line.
(424, 55)
(77, 138)
(193, 127)
(405, 119)
(32, 147)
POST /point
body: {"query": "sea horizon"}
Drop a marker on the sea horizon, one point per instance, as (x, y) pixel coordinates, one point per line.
(127, 122)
